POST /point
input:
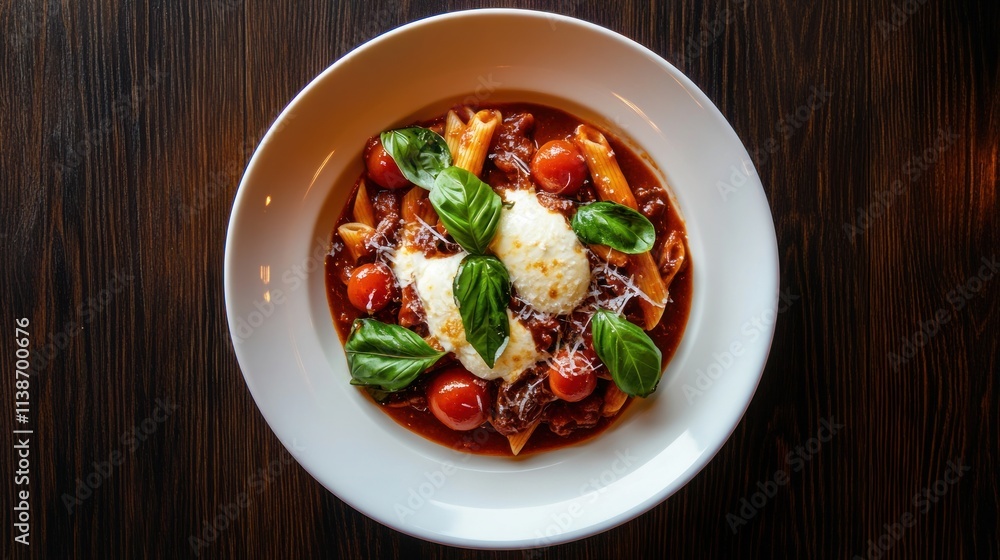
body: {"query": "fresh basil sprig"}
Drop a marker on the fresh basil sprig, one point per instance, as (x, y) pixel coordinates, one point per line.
(389, 357)
(482, 291)
(614, 225)
(468, 207)
(420, 153)
(628, 352)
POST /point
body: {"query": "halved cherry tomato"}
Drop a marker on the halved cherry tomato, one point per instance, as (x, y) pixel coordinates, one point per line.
(558, 167)
(572, 378)
(371, 287)
(458, 399)
(381, 167)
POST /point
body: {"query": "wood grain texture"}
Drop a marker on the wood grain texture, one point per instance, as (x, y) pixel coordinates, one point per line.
(125, 127)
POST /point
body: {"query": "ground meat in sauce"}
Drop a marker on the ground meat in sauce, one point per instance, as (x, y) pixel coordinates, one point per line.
(587, 192)
(345, 274)
(564, 417)
(557, 203)
(416, 401)
(652, 201)
(568, 206)
(512, 147)
(544, 331)
(430, 242)
(613, 283)
(413, 396)
(511, 151)
(411, 312)
(421, 238)
(387, 211)
(608, 282)
(520, 404)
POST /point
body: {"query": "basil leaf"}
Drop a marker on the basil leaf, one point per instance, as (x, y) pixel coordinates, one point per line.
(482, 291)
(387, 356)
(631, 356)
(614, 225)
(420, 153)
(468, 207)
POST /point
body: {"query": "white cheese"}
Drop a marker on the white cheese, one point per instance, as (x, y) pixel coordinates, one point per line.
(547, 263)
(433, 279)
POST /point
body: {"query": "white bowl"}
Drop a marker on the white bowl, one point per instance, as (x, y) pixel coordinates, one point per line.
(293, 360)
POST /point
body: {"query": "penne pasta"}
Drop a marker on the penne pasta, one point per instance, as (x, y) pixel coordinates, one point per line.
(649, 282)
(428, 214)
(453, 129)
(475, 141)
(614, 399)
(363, 210)
(417, 214)
(609, 255)
(356, 236)
(610, 183)
(417, 207)
(411, 204)
(518, 440)
(607, 175)
(671, 258)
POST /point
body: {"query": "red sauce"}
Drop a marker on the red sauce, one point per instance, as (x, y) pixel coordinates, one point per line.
(550, 124)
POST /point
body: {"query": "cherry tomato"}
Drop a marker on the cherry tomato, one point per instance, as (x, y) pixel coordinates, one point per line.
(371, 287)
(572, 379)
(458, 399)
(381, 167)
(558, 167)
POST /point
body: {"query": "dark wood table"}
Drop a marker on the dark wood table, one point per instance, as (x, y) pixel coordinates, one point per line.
(126, 125)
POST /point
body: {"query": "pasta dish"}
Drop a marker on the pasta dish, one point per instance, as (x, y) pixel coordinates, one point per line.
(506, 279)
